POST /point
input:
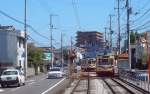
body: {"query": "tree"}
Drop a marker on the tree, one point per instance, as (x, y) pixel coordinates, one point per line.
(144, 58)
(65, 54)
(132, 37)
(35, 56)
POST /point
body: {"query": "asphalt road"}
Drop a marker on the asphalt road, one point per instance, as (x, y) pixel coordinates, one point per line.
(35, 85)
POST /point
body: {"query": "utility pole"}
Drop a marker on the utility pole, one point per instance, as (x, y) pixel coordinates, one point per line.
(119, 38)
(110, 28)
(128, 31)
(51, 39)
(25, 30)
(105, 33)
(62, 50)
(106, 41)
(71, 45)
(70, 59)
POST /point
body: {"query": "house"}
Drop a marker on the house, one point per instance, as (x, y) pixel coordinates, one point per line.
(12, 47)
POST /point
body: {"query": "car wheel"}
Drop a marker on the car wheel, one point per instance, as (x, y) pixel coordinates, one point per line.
(3, 85)
(24, 83)
(19, 84)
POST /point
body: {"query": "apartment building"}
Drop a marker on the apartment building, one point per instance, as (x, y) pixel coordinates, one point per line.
(91, 41)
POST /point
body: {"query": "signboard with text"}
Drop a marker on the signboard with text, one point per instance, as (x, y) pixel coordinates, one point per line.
(47, 56)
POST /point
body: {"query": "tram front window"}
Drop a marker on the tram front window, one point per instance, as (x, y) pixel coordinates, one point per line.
(104, 62)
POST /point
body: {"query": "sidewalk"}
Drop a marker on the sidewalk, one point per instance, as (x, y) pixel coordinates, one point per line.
(36, 77)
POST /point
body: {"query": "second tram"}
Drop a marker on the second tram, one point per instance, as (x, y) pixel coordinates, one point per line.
(88, 65)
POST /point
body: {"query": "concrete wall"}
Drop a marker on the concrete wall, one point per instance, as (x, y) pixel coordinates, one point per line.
(30, 72)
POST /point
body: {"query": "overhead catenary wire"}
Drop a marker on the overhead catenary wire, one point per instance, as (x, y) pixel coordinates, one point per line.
(146, 26)
(145, 4)
(20, 22)
(146, 12)
(146, 23)
(36, 42)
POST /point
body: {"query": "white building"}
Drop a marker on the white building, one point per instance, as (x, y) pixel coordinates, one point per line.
(12, 47)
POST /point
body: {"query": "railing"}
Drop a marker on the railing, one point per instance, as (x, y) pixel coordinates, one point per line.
(136, 77)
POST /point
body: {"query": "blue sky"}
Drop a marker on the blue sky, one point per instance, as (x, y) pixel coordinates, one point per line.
(93, 15)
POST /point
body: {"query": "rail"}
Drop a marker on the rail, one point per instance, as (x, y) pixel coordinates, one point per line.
(109, 86)
(75, 86)
(113, 90)
(80, 86)
(135, 87)
(88, 85)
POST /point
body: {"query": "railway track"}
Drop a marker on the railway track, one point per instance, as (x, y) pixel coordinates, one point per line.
(105, 85)
(118, 86)
(82, 87)
(134, 86)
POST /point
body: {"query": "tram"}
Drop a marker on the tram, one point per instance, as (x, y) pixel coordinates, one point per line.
(88, 65)
(105, 65)
(84, 65)
(91, 64)
(122, 61)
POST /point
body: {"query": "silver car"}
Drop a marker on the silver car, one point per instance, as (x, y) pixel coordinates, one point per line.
(55, 73)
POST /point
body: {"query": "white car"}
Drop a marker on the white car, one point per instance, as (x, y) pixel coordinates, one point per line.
(12, 77)
(55, 73)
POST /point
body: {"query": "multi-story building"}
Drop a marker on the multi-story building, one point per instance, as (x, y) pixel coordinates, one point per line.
(91, 41)
(12, 47)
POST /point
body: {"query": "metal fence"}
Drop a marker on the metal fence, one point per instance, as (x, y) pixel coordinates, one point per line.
(136, 77)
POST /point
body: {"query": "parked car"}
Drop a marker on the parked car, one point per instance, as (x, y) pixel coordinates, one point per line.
(2, 69)
(55, 73)
(12, 77)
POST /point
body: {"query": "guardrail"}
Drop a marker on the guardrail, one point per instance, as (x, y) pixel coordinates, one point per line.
(136, 77)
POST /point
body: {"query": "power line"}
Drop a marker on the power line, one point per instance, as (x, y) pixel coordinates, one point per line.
(145, 4)
(147, 11)
(142, 25)
(20, 22)
(3, 13)
(32, 39)
(37, 32)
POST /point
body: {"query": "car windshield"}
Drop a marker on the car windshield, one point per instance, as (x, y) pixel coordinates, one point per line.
(10, 73)
(55, 69)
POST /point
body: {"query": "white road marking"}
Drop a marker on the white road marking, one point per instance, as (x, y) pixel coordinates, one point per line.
(1, 90)
(42, 79)
(53, 86)
(15, 89)
(29, 81)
